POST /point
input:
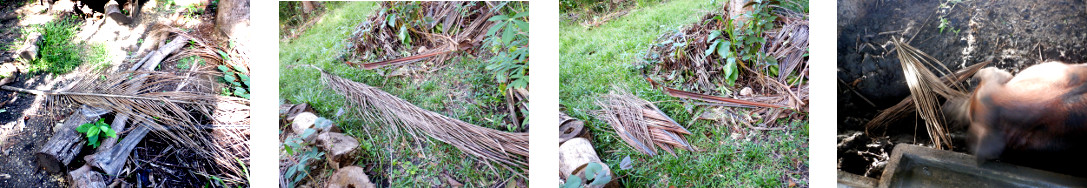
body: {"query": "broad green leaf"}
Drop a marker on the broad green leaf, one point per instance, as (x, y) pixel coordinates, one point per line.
(592, 168)
(223, 68)
(111, 133)
(308, 132)
(724, 49)
(224, 55)
(239, 91)
(713, 35)
(92, 132)
(229, 77)
(403, 34)
(521, 14)
(92, 141)
(498, 17)
(391, 20)
(712, 48)
(494, 29)
(241, 69)
(573, 182)
(523, 26)
(507, 34)
(83, 128)
(601, 178)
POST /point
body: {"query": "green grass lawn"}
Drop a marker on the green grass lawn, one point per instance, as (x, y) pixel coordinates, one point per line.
(461, 90)
(594, 61)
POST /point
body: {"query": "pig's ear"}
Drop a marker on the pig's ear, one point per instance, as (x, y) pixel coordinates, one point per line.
(986, 143)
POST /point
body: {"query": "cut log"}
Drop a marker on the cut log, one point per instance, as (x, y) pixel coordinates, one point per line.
(303, 121)
(65, 143)
(29, 51)
(112, 160)
(86, 177)
(574, 154)
(339, 147)
(351, 176)
(114, 12)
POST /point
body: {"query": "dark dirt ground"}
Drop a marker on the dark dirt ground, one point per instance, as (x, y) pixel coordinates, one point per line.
(1012, 34)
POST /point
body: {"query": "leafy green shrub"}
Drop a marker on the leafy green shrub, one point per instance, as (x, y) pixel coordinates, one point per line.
(510, 63)
(306, 154)
(238, 79)
(95, 131)
(59, 54)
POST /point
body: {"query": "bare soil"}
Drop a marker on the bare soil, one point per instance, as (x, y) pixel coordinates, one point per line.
(1013, 34)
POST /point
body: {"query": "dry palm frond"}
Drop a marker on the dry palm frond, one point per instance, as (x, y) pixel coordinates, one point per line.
(455, 25)
(162, 102)
(509, 150)
(925, 87)
(905, 106)
(640, 124)
(177, 115)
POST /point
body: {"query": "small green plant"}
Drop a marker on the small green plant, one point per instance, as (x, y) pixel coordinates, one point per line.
(238, 79)
(295, 173)
(508, 40)
(510, 63)
(744, 44)
(594, 176)
(96, 131)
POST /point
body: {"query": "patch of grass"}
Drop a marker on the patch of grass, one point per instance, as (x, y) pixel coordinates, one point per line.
(59, 54)
(460, 90)
(594, 61)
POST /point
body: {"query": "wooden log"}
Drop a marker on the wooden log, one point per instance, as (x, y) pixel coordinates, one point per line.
(65, 143)
(574, 154)
(114, 12)
(112, 160)
(29, 51)
(86, 177)
(351, 176)
(232, 19)
(339, 147)
(302, 122)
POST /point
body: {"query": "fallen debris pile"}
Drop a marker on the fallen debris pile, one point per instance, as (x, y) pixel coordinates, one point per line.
(184, 107)
(509, 150)
(428, 29)
(730, 58)
(640, 124)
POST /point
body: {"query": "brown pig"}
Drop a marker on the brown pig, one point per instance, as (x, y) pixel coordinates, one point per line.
(1039, 114)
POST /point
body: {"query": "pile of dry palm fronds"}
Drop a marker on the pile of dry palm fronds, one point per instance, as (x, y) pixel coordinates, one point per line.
(415, 28)
(680, 59)
(508, 150)
(183, 107)
(925, 86)
(640, 124)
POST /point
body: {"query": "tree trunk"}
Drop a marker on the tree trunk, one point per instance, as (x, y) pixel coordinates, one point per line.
(65, 143)
(307, 6)
(232, 19)
(575, 153)
(112, 160)
(85, 177)
(339, 147)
